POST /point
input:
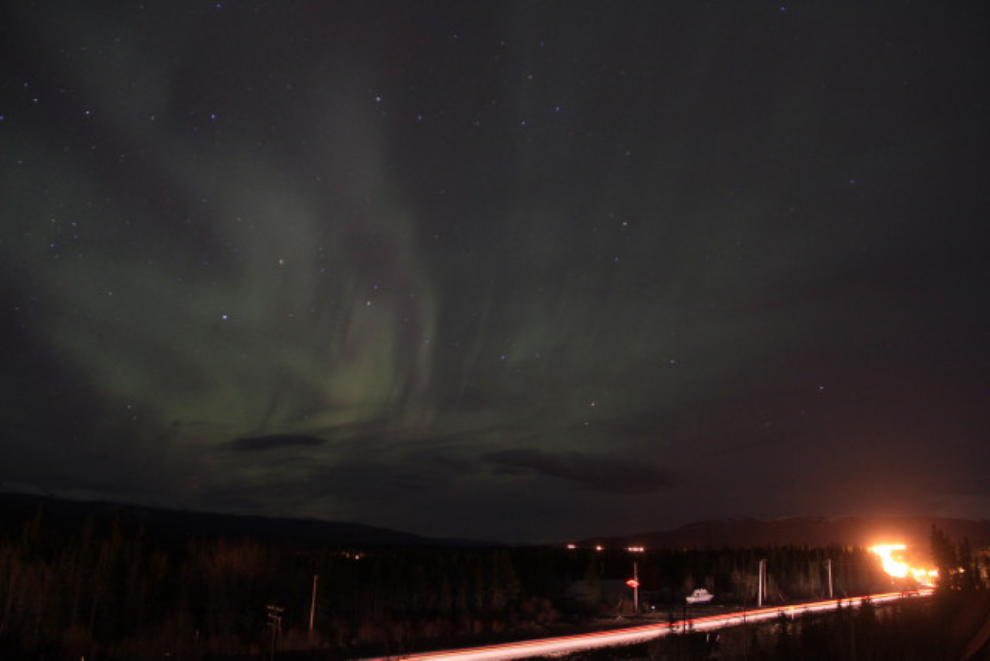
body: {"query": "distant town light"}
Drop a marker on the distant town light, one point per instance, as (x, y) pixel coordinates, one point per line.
(898, 568)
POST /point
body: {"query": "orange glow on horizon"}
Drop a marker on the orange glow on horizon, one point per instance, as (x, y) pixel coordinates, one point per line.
(891, 555)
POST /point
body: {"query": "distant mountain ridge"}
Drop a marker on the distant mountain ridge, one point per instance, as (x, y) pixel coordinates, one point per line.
(175, 526)
(67, 517)
(810, 531)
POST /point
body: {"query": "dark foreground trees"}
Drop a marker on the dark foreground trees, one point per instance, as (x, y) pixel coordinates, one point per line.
(104, 592)
(960, 566)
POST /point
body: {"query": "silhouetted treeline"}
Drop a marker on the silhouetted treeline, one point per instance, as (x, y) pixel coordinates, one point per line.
(960, 566)
(102, 592)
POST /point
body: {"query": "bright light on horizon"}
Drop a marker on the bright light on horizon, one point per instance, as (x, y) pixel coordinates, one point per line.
(898, 568)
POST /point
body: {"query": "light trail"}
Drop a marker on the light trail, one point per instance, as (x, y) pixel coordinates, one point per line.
(640, 634)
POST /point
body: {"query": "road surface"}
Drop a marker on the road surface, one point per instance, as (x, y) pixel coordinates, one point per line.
(633, 635)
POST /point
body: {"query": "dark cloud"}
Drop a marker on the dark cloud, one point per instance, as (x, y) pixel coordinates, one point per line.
(273, 442)
(598, 472)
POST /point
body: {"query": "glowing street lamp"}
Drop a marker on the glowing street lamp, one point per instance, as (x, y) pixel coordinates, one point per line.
(898, 568)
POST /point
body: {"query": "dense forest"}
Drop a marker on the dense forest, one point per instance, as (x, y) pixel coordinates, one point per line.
(108, 592)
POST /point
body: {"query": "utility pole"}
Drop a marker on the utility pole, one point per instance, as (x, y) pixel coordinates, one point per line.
(634, 584)
(636, 589)
(312, 605)
(275, 622)
(828, 563)
(761, 589)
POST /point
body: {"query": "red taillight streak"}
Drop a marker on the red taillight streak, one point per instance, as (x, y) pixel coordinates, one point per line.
(742, 616)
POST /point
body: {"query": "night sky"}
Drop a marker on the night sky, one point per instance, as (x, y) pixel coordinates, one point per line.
(522, 270)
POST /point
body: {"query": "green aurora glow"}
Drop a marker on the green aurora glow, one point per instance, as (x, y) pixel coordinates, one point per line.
(496, 271)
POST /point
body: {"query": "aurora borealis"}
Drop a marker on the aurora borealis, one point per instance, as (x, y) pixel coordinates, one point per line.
(507, 270)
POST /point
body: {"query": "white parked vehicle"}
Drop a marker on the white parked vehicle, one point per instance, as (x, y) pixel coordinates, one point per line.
(699, 596)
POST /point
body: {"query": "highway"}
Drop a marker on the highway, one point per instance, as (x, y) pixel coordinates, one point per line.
(639, 634)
